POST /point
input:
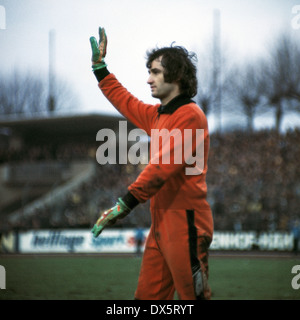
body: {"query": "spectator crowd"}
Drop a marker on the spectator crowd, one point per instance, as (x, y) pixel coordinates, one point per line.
(253, 184)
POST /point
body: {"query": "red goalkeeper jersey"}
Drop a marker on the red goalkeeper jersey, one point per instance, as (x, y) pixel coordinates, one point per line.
(176, 184)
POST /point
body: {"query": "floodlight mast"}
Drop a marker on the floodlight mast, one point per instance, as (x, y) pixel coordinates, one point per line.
(217, 90)
(51, 93)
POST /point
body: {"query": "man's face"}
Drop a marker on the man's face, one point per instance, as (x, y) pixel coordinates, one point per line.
(159, 88)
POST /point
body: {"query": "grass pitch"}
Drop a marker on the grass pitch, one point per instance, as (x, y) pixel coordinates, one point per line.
(115, 278)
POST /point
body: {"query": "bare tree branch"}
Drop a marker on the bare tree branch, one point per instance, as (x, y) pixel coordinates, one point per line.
(27, 93)
(282, 77)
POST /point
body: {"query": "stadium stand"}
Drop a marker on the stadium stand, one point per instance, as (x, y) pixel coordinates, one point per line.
(50, 177)
(254, 180)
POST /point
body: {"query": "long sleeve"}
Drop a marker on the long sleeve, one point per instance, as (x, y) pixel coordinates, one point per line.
(137, 112)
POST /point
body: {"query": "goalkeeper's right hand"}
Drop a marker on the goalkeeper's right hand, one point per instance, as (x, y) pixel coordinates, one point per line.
(109, 217)
(99, 50)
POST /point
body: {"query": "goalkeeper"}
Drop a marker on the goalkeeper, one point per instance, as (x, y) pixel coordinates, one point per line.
(176, 250)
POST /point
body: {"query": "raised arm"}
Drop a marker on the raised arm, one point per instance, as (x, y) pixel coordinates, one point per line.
(136, 111)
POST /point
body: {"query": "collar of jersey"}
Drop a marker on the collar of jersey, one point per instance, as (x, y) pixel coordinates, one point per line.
(174, 104)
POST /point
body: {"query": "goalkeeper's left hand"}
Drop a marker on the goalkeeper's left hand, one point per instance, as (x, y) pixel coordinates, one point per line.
(109, 217)
(99, 50)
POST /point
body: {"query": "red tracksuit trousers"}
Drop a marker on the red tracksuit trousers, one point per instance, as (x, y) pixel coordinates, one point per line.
(173, 250)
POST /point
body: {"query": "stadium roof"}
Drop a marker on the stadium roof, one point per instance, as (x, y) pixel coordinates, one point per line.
(60, 127)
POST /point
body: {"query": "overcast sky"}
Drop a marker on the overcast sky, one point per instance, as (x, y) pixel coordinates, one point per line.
(133, 27)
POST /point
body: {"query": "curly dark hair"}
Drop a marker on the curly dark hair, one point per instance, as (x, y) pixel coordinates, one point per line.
(179, 64)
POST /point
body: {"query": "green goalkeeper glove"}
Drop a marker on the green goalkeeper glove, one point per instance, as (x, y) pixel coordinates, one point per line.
(99, 50)
(109, 217)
